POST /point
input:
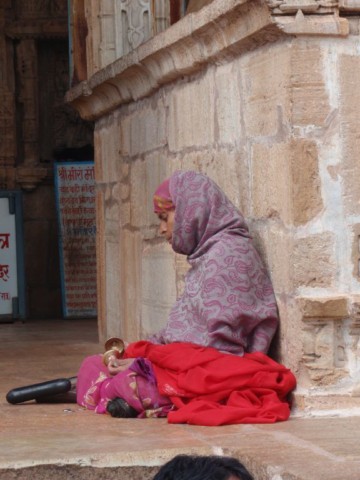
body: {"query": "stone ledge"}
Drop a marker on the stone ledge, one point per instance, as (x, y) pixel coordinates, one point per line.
(221, 30)
(326, 404)
(315, 25)
(218, 32)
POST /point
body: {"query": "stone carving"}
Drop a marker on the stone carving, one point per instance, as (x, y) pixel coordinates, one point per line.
(126, 24)
(323, 338)
(135, 18)
(324, 350)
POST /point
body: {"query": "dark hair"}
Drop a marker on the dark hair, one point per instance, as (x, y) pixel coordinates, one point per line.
(187, 467)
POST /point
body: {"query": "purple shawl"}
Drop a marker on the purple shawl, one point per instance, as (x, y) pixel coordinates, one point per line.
(228, 302)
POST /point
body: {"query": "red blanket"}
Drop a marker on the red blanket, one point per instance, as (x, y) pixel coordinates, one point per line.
(208, 387)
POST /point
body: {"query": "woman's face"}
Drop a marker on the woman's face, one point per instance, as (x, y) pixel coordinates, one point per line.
(167, 224)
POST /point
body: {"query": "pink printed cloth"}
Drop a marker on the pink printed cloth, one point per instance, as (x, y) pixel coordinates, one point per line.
(228, 302)
(162, 199)
(137, 385)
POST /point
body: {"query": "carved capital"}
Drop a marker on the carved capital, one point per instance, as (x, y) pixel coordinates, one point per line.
(30, 177)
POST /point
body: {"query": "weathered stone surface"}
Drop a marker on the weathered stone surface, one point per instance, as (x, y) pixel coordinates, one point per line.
(228, 128)
(144, 129)
(290, 348)
(350, 95)
(130, 270)
(107, 141)
(145, 177)
(112, 202)
(265, 93)
(356, 251)
(274, 242)
(310, 101)
(113, 285)
(191, 114)
(101, 265)
(213, 162)
(158, 287)
(271, 189)
(313, 261)
(328, 307)
(305, 181)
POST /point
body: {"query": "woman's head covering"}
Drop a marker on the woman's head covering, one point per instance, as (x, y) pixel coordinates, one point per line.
(162, 200)
(228, 302)
(202, 210)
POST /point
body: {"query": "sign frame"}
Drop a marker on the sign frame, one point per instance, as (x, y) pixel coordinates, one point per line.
(68, 312)
(19, 310)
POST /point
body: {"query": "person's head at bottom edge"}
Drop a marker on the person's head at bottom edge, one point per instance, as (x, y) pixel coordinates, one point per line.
(196, 467)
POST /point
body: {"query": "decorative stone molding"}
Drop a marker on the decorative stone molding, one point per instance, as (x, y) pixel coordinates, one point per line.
(223, 30)
(324, 336)
(286, 7)
(317, 25)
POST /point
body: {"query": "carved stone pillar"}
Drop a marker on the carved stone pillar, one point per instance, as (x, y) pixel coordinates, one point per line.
(28, 97)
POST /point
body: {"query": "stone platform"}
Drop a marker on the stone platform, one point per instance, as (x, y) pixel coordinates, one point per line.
(63, 441)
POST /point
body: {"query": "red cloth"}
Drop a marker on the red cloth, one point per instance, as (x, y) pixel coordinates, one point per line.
(213, 388)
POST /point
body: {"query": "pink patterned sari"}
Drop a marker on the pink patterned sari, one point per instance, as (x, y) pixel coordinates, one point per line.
(136, 385)
(228, 302)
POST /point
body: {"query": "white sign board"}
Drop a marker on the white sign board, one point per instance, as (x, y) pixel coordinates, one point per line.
(8, 262)
(75, 195)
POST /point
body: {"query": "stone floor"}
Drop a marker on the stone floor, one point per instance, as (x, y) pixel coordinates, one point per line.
(63, 441)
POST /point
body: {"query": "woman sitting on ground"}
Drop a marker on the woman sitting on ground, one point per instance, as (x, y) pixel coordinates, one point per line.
(228, 304)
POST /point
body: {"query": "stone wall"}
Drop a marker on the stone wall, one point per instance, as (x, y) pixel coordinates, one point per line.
(262, 97)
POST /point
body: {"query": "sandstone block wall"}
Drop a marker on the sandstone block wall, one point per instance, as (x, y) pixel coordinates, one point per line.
(272, 117)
